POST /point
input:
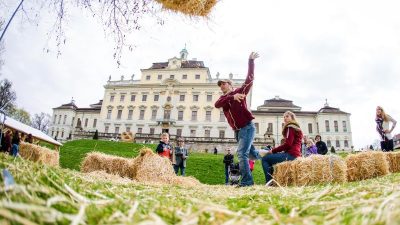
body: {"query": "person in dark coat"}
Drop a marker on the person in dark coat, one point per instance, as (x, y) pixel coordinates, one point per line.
(15, 143)
(321, 146)
(228, 160)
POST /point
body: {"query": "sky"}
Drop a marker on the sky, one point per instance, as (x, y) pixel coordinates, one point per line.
(345, 51)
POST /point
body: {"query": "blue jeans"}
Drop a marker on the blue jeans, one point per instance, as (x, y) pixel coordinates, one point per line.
(177, 167)
(269, 160)
(245, 137)
(226, 174)
(15, 149)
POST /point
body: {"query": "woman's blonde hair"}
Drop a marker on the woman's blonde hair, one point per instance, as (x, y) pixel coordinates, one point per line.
(383, 115)
(291, 114)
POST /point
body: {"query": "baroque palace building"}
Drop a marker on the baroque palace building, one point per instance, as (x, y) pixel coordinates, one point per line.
(178, 97)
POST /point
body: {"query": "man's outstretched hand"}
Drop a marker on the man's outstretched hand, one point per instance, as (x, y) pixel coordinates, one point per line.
(254, 55)
(239, 97)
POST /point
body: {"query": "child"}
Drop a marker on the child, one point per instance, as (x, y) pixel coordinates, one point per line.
(228, 160)
(164, 148)
(179, 157)
(311, 148)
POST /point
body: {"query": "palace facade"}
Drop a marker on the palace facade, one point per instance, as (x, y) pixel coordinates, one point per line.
(178, 97)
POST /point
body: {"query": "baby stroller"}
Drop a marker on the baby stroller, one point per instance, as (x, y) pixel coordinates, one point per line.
(234, 173)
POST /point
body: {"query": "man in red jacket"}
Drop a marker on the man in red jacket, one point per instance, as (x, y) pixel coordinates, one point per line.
(233, 102)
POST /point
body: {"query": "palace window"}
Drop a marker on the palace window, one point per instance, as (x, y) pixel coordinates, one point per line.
(109, 114)
(221, 116)
(336, 126)
(270, 127)
(344, 126)
(221, 134)
(194, 115)
(153, 114)
(178, 132)
(180, 115)
(119, 114)
(327, 126)
(130, 113)
(141, 114)
(208, 116)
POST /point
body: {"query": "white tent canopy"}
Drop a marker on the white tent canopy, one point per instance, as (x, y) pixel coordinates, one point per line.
(16, 125)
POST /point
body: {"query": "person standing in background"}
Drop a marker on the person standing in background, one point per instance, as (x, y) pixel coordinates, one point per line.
(383, 121)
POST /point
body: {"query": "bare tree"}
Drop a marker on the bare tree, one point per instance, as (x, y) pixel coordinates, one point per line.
(41, 121)
(7, 95)
(118, 17)
(20, 114)
(1, 46)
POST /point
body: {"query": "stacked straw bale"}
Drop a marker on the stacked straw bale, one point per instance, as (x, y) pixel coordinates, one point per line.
(366, 165)
(316, 169)
(393, 159)
(39, 154)
(96, 161)
(147, 168)
(189, 7)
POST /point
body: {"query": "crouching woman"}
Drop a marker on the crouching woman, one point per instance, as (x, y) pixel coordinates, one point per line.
(289, 150)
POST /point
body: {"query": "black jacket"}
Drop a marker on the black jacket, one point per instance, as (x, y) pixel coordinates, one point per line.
(228, 159)
(321, 148)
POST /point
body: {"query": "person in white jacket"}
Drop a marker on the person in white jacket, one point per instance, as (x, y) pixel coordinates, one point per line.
(383, 121)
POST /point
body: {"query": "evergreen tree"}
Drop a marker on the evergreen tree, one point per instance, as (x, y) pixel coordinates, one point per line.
(96, 135)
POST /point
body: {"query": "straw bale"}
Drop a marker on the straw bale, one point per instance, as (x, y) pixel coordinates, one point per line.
(284, 173)
(393, 159)
(189, 7)
(316, 169)
(366, 165)
(39, 154)
(150, 168)
(95, 161)
(319, 169)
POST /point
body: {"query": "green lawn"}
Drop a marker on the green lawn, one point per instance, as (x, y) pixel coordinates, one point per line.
(207, 168)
